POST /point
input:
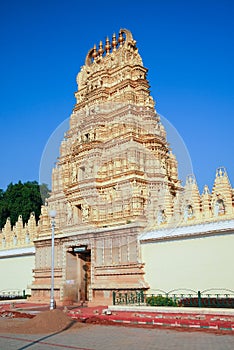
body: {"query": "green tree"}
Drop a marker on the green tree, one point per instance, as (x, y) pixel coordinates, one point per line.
(44, 192)
(21, 199)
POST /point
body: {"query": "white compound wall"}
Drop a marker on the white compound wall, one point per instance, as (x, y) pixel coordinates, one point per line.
(16, 269)
(197, 263)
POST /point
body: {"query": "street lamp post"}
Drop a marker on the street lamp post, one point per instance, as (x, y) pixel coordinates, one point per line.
(52, 214)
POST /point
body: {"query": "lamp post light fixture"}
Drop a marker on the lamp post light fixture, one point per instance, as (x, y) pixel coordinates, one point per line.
(52, 214)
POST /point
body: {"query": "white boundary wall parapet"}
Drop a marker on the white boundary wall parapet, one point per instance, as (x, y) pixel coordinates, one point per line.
(17, 252)
(196, 257)
(216, 227)
(16, 268)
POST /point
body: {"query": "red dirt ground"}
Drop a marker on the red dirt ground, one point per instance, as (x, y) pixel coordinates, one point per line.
(43, 320)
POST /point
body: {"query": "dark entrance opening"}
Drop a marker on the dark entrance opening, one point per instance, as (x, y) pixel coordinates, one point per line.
(78, 270)
(84, 276)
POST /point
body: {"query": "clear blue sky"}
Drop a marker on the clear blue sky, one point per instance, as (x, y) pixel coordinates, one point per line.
(186, 45)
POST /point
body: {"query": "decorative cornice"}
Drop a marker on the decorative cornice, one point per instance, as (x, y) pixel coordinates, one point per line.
(192, 231)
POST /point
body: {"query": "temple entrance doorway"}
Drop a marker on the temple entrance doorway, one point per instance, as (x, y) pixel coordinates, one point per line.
(83, 264)
(78, 274)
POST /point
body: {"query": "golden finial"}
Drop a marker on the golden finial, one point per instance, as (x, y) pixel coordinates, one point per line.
(100, 50)
(206, 190)
(95, 54)
(121, 39)
(108, 46)
(114, 42)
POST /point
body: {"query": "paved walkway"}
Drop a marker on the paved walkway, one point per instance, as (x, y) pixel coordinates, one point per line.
(218, 320)
(96, 337)
(102, 337)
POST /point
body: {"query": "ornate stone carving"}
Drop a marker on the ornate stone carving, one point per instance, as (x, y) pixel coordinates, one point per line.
(19, 235)
(116, 176)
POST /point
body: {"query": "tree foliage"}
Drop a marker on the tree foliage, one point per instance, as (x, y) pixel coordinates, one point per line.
(22, 199)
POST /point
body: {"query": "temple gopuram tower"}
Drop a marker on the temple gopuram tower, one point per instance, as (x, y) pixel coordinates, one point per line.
(115, 176)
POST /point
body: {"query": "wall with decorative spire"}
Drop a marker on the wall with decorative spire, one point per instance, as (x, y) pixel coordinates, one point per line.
(19, 235)
(195, 250)
(17, 256)
(191, 207)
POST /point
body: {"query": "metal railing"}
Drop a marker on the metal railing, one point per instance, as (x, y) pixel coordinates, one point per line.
(12, 294)
(215, 298)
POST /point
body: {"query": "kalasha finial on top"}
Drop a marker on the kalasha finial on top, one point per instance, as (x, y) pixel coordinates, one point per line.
(94, 54)
(121, 39)
(107, 46)
(114, 42)
(220, 172)
(100, 50)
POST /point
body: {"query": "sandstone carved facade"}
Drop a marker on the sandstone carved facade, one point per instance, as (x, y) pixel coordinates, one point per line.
(114, 161)
(116, 177)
